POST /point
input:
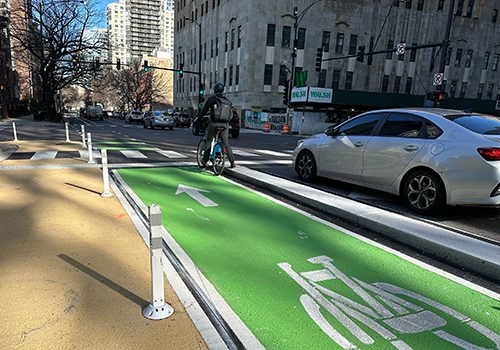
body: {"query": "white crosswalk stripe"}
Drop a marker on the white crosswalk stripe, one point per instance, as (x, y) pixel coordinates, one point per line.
(273, 153)
(244, 154)
(133, 154)
(44, 155)
(171, 154)
(85, 154)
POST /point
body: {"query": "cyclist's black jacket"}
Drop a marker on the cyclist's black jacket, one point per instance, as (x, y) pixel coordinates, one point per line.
(212, 100)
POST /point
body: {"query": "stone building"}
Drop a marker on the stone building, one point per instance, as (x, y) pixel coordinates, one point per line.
(248, 46)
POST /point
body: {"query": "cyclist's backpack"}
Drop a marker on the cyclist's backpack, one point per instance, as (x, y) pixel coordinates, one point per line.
(223, 112)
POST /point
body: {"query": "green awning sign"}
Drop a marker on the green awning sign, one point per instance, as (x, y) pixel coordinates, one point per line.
(299, 94)
(312, 94)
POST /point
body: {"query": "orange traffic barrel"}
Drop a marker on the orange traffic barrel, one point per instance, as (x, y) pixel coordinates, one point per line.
(266, 127)
(285, 129)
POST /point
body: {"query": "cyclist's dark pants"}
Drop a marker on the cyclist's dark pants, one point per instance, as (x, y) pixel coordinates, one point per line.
(223, 137)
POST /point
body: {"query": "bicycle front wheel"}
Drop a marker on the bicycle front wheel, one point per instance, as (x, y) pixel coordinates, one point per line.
(219, 158)
(199, 152)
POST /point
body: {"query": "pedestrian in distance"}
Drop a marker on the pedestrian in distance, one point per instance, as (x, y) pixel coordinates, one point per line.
(220, 110)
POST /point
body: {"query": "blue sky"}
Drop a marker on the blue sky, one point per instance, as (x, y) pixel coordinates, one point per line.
(104, 3)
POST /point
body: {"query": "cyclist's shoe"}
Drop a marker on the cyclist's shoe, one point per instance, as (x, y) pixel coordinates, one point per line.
(233, 164)
(203, 165)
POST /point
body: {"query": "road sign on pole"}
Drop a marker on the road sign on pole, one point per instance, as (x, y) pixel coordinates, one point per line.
(438, 78)
(401, 49)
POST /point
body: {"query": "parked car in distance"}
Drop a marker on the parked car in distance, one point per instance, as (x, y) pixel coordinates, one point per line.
(116, 114)
(199, 126)
(430, 157)
(158, 119)
(182, 120)
(134, 117)
(94, 112)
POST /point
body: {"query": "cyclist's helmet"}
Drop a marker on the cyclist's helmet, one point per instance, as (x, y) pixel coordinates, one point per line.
(218, 87)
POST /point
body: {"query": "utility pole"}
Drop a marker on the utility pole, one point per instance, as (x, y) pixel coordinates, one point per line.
(200, 85)
(446, 44)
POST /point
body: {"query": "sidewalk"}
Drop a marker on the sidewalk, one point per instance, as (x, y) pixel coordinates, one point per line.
(75, 272)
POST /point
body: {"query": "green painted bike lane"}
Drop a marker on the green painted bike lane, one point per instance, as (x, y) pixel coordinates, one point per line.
(298, 282)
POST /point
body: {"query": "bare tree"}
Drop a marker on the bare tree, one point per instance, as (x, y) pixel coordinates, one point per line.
(58, 47)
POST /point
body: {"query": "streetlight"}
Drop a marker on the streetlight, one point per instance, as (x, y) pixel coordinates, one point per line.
(200, 96)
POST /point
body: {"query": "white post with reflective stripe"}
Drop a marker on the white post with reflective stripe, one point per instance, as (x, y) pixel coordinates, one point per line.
(158, 309)
(89, 138)
(15, 132)
(83, 136)
(105, 173)
(67, 132)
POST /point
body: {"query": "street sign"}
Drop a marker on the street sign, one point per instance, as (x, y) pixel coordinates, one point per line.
(438, 78)
(401, 49)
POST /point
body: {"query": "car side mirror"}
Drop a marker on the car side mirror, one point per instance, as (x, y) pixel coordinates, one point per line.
(331, 132)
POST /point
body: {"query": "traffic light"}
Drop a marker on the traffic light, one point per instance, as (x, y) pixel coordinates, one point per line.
(286, 92)
(319, 58)
(202, 89)
(146, 66)
(361, 53)
(118, 64)
(1, 87)
(440, 95)
(181, 70)
(74, 61)
(97, 63)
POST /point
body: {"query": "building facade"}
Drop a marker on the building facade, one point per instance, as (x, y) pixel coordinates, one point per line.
(118, 25)
(248, 46)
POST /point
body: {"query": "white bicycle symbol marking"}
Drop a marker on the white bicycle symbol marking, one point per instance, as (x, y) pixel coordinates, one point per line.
(394, 312)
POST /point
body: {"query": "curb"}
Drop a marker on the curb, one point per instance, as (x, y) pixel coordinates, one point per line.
(475, 255)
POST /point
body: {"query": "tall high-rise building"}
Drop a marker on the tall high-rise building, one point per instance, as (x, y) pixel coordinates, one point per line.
(118, 26)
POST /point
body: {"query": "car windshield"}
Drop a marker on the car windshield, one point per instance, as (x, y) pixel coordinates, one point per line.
(481, 124)
(136, 113)
(157, 113)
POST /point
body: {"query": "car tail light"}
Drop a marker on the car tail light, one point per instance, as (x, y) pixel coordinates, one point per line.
(490, 153)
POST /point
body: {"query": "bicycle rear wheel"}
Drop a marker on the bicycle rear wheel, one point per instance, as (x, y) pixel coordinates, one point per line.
(219, 159)
(199, 152)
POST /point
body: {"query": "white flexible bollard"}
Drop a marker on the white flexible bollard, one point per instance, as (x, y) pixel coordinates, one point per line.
(83, 136)
(89, 138)
(158, 309)
(105, 174)
(15, 132)
(67, 132)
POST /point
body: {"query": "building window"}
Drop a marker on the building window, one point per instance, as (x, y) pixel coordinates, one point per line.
(205, 56)
(460, 7)
(468, 59)
(496, 57)
(408, 4)
(322, 78)
(226, 41)
(326, 42)
(385, 83)
(453, 88)
(225, 76)
(301, 39)
(440, 5)
(283, 75)
(268, 74)
(271, 34)
(463, 90)
(335, 79)
(353, 44)
(409, 83)
(239, 36)
(470, 7)
(397, 84)
(420, 5)
(339, 45)
(390, 45)
(494, 18)
(216, 47)
(348, 80)
(458, 57)
(212, 49)
(489, 92)
(237, 75)
(230, 75)
(413, 53)
(448, 55)
(480, 91)
(486, 60)
(201, 13)
(232, 39)
(285, 38)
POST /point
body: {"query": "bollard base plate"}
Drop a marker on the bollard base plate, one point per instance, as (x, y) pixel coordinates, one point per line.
(106, 194)
(157, 313)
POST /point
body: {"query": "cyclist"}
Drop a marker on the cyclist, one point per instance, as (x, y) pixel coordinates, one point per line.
(213, 125)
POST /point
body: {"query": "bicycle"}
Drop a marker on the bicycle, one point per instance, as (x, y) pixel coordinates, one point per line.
(217, 152)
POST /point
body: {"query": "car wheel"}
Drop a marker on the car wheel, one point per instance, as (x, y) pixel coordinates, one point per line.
(424, 192)
(306, 166)
(235, 134)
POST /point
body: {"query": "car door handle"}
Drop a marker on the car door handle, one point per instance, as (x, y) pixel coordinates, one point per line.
(411, 148)
(359, 144)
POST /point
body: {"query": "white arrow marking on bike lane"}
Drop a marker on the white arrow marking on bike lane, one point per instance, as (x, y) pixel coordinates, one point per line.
(196, 195)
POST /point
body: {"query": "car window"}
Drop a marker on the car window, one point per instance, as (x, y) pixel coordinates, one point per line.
(402, 125)
(360, 126)
(481, 124)
(433, 131)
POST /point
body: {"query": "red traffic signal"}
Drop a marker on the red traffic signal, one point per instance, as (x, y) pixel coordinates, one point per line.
(118, 64)
(1, 87)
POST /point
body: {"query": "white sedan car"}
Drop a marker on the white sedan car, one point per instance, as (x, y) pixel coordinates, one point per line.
(159, 119)
(429, 156)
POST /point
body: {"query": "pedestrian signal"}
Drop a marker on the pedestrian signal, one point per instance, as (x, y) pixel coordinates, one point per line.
(319, 58)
